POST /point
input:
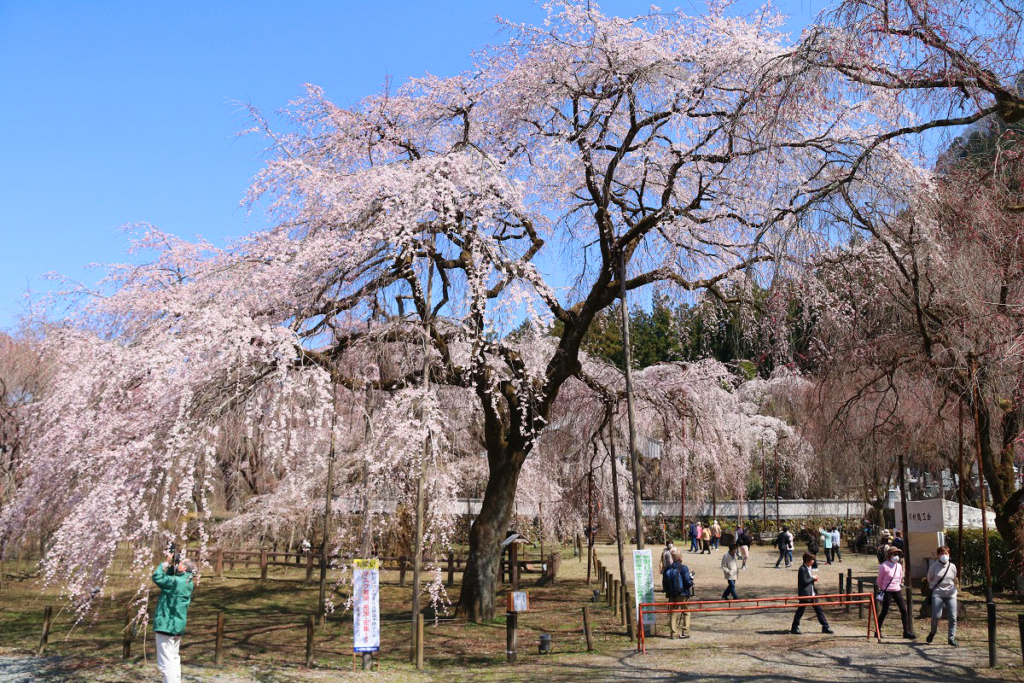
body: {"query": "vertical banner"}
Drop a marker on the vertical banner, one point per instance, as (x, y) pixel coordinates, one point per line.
(643, 584)
(366, 605)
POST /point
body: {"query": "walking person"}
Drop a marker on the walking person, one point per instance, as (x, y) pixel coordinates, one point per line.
(171, 613)
(706, 541)
(898, 541)
(677, 582)
(805, 587)
(785, 543)
(732, 572)
(826, 537)
(700, 538)
(693, 537)
(716, 535)
(942, 579)
(890, 585)
(743, 540)
(837, 541)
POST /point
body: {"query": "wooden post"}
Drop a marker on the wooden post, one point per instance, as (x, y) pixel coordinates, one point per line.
(993, 658)
(218, 647)
(451, 568)
(849, 587)
(615, 597)
(309, 641)
(841, 577)
(47, 617)
(621, 603)
(513, 561)
(511, 623)
(263, 565)
(419, 641)
(401, 571)
(860, 589)
(309, 566)
(1020, 628)
(126, 642)
(590, 636)
(630, 614)
(220, 562)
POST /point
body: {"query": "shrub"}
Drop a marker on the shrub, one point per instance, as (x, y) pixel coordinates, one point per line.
(973, 571)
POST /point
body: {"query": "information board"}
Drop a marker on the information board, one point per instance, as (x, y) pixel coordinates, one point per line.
(520, 601)
(643, 581)
(366, 605)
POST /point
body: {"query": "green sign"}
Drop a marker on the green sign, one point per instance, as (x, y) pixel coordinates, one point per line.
(643, 581)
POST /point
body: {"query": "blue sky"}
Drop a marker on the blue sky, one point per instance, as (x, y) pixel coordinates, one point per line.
(117, 112)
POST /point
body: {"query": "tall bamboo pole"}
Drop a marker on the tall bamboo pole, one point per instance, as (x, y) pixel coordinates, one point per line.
(618, 514)
(634, 466)
(764, 487)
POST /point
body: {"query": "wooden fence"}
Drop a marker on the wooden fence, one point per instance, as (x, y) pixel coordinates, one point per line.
(547, 566)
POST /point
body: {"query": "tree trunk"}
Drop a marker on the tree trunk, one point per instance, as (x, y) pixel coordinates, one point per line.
(998, 473)
(476, 601)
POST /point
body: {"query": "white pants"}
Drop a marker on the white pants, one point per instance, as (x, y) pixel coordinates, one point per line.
(167, 660)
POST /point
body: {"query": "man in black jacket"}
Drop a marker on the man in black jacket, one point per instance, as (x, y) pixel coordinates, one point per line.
(805, 587)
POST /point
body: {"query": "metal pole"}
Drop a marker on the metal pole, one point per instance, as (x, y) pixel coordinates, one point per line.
(778, 524)
(981, 483)
(634, 466)
(618, 513)
(322, 605)
(906, 544)
(764, 487)
(960, 490)
(417, 566)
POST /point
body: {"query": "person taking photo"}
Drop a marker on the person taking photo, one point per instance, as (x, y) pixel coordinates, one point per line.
(176, 584)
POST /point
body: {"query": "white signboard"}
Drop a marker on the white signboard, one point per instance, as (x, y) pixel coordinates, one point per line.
(520, 601)
(366, 605)
(643, 581)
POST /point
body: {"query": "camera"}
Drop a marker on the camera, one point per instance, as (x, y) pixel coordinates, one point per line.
(173, 550)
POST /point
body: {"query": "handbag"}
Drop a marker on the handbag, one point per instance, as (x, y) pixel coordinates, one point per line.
(880, 597)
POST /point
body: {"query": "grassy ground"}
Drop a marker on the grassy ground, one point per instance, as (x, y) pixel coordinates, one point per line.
(265, 636)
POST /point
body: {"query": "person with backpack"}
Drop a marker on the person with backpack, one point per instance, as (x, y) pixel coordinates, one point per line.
(890, 586)
(666, 556)
(677, 582)
(805, 587)
(784, 541)
(731, 572)
(172, 613)
(942, 579)
(716, 535)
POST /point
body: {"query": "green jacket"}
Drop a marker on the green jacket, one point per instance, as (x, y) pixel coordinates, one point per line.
(175, 596)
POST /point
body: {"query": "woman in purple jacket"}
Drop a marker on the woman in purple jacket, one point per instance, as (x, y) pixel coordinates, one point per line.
(890, 585)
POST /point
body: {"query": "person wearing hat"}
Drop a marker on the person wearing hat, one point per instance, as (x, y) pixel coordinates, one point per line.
(890, 587)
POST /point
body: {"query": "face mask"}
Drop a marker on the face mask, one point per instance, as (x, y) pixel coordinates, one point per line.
(944, 559)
